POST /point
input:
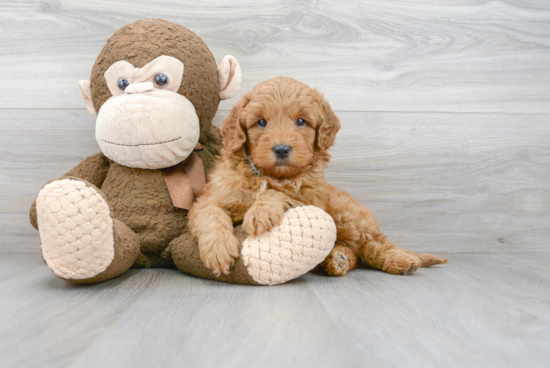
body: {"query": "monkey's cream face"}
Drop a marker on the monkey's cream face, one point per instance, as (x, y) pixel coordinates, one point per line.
(146, 123)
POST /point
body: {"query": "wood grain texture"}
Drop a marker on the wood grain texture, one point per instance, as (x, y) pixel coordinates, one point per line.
(477, 311)
(366, 55)
(438, 182)
(445, 107)
(450, 182)
(449, 316)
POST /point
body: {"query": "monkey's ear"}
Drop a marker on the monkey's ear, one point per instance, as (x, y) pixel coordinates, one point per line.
(86, 95)
(229, 75)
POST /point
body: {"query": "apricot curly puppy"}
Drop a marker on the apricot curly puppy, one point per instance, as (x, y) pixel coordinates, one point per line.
(274, 156)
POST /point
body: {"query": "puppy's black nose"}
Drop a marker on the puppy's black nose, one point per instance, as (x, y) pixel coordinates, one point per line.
(282, 151)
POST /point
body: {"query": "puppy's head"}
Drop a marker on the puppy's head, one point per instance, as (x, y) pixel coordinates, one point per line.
(283, 125)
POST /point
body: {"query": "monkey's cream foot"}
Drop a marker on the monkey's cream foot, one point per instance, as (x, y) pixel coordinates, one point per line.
(302, 240)
(78, 234)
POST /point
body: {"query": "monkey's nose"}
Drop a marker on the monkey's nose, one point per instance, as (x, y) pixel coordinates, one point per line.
(139, 87)
(282, 151)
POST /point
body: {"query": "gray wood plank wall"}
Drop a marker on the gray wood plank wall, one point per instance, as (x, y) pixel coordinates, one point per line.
(445, 105)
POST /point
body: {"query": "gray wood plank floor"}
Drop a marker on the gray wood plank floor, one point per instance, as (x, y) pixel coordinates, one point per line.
(367, 55)
(445, 108)
(478, 311)
(438, 182)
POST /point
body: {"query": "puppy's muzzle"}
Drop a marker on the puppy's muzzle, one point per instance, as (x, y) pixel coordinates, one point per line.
(282, 151)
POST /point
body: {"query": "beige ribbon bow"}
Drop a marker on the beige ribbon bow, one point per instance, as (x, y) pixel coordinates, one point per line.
(185, 181)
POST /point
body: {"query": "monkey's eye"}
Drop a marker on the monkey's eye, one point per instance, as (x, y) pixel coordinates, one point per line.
(300, 122)
(262, 123)
(122, 84)
(161, 80)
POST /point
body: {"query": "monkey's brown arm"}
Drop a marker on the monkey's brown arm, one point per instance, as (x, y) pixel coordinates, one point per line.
(93, 169)
(210, 150)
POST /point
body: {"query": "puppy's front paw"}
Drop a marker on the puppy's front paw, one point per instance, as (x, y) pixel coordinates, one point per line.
(260, 219)
(401, 264)
(219, 250)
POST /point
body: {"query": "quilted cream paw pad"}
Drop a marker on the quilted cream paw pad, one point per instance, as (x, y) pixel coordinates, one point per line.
(302, 240)
(76, 229)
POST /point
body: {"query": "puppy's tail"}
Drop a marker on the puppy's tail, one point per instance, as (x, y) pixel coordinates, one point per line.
(428, 259)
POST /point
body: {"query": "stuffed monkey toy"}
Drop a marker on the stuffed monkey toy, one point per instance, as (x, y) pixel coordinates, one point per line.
(155, 89)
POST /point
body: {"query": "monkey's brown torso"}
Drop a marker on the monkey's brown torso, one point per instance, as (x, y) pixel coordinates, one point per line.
(155, 89)
(139, 198)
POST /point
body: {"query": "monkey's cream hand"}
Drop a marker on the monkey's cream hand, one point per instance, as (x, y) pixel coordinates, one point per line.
(218, 250)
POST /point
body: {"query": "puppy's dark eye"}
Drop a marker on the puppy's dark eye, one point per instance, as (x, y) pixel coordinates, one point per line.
(161, 80)
(300, 122)
(262, 123)
(122, 84)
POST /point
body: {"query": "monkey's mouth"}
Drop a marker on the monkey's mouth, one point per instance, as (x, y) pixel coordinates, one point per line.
(142, 144)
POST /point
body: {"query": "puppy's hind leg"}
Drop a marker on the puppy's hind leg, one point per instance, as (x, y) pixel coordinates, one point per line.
(340, 260)
(427, 258)
(358, 228)
(379, 253)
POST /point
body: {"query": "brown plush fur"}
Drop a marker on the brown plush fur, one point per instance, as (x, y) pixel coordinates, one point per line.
(140, 42)
(250, 185)
(184, 251)
(138, 198)
(133, 196)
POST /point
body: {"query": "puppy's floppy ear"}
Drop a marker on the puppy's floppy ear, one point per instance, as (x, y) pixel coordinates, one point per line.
(326, 132)
(232, 130)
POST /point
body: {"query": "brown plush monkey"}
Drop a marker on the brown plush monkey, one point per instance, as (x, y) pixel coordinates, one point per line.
(155, 89)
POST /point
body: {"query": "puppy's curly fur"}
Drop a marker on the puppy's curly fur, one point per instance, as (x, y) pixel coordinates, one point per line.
(276, 140)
